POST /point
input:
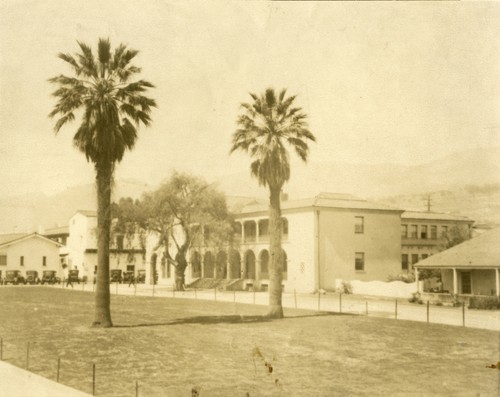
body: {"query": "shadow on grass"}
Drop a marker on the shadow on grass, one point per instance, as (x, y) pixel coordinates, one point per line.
(229, 319)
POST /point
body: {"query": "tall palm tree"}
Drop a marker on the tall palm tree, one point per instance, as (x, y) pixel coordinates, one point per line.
(266, 128)
(111, 108)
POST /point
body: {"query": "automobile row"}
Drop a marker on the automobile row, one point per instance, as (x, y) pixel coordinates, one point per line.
(15, 277)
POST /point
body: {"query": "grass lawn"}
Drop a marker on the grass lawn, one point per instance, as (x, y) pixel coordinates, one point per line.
(171, 345)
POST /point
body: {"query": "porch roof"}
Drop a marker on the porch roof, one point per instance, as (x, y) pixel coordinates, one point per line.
(481, 252)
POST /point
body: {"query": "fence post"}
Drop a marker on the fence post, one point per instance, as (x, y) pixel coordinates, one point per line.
(27, 356)
(234, 296)
(154, 288)
(295, 297)
(116, 288)
(396, 310)
(463, 314)
(427, 312)
(195, 295)
(173, 291)
(215, 293)
(93, 379)
(135, 289)
(340, 302)
(319, 299)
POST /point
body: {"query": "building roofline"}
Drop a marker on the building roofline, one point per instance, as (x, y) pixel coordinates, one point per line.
(28, 236)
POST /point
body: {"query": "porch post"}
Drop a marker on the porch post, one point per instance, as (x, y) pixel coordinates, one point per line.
(257, 231)
(455, 282)
(497, 274)
(416, 279)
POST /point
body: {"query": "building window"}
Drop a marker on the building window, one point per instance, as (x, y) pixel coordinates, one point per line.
(359, 261)
(434, 232)
(423, 231)
(359, 224)
(3, 260)
(44, 261)
(284, 227)
(404, 231)
(130, 268)
(414, 258)
(119, 242)
(444, 231)
(21, 261)
(414, 231)
(404, 261)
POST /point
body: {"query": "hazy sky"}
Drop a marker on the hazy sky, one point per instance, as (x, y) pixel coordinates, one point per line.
(382, 82)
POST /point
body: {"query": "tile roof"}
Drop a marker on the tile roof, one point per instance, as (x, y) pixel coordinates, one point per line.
(482, 251)
(322, 200)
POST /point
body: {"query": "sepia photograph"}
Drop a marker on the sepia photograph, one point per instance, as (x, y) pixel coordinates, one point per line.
(249, 198)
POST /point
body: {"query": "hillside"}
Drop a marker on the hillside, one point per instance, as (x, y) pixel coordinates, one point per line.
(464, 183)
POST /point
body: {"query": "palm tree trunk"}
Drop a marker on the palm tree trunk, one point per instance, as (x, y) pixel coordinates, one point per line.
(104, 176)
(276, 263)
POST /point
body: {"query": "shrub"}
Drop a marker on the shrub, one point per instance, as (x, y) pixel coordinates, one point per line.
(346, 288)
(484, 303)
(415, 298)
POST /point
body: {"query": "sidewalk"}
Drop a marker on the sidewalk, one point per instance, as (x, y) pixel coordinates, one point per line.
(16, 382)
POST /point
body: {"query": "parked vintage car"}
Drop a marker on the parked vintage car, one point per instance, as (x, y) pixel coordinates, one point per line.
(73, 276)
(115, 276)
(50, 277)
(32, 277)
(141, 276)
(128, 277)
(14, 277)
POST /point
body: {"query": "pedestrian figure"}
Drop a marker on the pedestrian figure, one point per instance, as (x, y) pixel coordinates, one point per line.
(66, 276)
(131, 280)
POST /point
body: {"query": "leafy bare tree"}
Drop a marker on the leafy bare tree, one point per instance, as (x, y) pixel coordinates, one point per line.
(180, 211)
(112, 107)
(266, 127)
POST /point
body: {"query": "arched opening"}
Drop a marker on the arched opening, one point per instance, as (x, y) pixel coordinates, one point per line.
(264, 264)
(195, 264)
(249, 265)
(221, 265)
(235, 264)
(208, 265)
(250, 231)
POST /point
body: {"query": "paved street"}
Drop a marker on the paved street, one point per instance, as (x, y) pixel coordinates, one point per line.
(356, 304)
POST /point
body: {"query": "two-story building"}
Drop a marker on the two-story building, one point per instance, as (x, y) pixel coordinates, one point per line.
(326, 239)
(126, 252)
(426, 233)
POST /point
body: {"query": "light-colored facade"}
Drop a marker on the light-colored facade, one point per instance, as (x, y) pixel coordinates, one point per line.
(326, 240)
(424, 234)
(26, 252)
(125, 253)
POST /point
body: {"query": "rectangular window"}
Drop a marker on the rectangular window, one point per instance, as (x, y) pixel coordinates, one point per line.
(423, 231)
(130, 268)
(21, 260)
(359, 224)
(404, 261)
(414, 231)
(444, 231)
(359, 261)
(3, 260)
(434, 232)
(414, 258)
(119, 242)
(404, 231)
(44, 261)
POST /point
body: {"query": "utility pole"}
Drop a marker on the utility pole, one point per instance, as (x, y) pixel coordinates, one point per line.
(429, 203)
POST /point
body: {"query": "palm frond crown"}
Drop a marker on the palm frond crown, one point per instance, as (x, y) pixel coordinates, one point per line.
(267, 127)
(112, 106)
